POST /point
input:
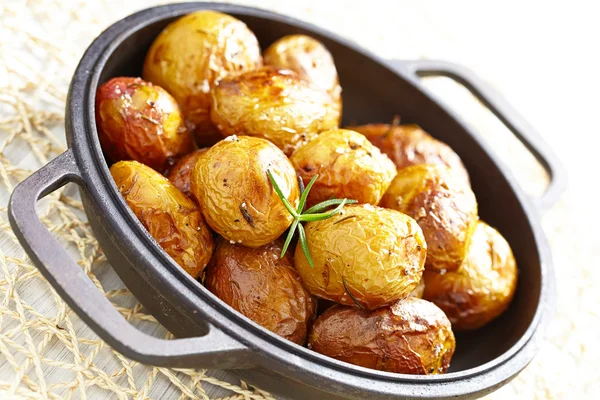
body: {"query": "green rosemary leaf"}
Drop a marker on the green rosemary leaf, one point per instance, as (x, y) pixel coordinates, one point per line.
(326, 204)
(304, 245)
(305, 194)
(351, 295)
(289, 237)
(320, 216)
(285, 202)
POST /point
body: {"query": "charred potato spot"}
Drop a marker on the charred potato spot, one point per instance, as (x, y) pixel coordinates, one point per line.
(484, 285)
(348, 167)
(412, 336)
(371, 259)
(140, 121)
(408, 145)
(274, 104)
(171, 218)
(308, 58)
(191, 54)
(263, 287)
(235, 195)
(180, 174)
(443, 206)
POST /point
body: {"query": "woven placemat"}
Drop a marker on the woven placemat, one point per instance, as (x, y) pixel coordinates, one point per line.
(45, 349)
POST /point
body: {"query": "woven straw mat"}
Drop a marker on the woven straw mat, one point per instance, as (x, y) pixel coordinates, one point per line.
(45, 349)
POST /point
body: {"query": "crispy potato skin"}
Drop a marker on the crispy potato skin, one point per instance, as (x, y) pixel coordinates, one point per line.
(348, 165)
(443, 206)
(140, 121)
(171, 218)
(180, 174)
(309, 58)
(263, 287)
(408, 145)
(482, 288)
(274, 104)
(378, 253)
(419, 290)
(412, 336)
(193, 52)
(235, 195)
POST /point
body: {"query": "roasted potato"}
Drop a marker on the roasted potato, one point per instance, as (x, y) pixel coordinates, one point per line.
(263, 287)
(308, 58)
(139, 121)
(484, 285)
(348, 165)
(443, 206)
(412, 336)
(418, 291)
(180, 174)
(193, 52)
(365, 256)
(274, 104)
(171, 218)
(408, 145)
(235, 194)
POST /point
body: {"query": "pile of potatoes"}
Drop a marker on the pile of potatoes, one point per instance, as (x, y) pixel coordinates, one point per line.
(190, 144)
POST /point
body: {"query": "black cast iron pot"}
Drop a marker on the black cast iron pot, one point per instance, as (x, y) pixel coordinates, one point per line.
(213, 335)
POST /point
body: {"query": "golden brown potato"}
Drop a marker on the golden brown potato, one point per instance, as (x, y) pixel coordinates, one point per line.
(193, 52)
(348, 165)
(412, 336)
(418, 291)
(308, 58)
(180, 174)
(263, 287)
(235, 194)
(364, 255)
(140, 121)
(443, 206)
(274, 104)
(408, 145)
(484, 285)
(171, 218)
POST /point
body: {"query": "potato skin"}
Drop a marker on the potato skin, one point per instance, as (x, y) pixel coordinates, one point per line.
(180, 174)
(191, 54)
(443, 206)
(171, 218)
(309, 58)
(274, 104)
(484, 285)
(412, 336)
(419, 290)
(234, 192)
(348, 165)
(139, 121)
(263, 287)
(378, 253)
(408, 145)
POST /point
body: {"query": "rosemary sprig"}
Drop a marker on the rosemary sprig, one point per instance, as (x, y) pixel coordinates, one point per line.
(315, 213)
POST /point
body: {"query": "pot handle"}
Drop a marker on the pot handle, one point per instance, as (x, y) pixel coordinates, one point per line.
(498, 105)
(213, 350)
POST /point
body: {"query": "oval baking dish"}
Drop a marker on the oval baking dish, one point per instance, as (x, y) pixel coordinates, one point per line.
(213, 335)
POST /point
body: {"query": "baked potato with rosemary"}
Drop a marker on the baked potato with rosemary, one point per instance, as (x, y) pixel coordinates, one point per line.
(235, 194)
(172, 219)
(408, 144)
(191, 54)
(484, 285)
(180, 174)
(443, 205)
(309, 58)
(274, 104)
(412, 336)
(263, 287)
(348, 165)
(139, 121)
(365, 256)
